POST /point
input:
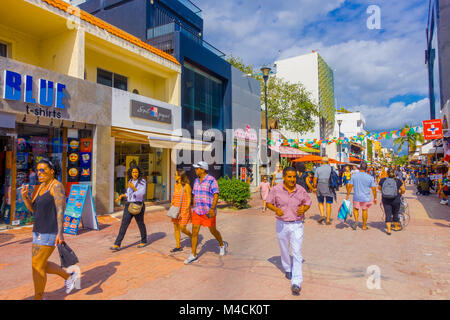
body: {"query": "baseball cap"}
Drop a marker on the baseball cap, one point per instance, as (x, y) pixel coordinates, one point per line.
(325, 159)
(202, 164)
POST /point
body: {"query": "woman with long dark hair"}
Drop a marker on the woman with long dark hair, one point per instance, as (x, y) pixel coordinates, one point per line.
(47, 204)
(136, 192)
(182, 189)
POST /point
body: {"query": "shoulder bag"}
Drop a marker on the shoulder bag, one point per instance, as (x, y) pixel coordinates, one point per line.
(174, 212)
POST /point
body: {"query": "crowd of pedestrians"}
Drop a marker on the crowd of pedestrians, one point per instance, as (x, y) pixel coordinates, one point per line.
(287, 195)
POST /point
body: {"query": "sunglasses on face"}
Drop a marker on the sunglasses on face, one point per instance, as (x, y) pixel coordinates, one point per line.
(41, 170)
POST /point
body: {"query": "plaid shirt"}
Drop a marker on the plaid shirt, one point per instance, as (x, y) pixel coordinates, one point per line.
(204, 194)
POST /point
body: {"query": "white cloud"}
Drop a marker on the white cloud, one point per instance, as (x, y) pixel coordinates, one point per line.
(380, 118)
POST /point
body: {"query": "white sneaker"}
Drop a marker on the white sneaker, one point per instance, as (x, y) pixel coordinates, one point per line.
(444, 201)
(223, 250)
(70, 283)
(191, 259)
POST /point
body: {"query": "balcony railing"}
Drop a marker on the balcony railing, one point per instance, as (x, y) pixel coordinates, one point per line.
(188, 4)
(162, 37)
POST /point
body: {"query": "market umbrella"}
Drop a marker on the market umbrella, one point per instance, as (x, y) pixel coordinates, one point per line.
(309, 158)
(353, 159)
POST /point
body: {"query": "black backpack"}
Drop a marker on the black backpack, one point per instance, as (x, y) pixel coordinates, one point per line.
(301, 181)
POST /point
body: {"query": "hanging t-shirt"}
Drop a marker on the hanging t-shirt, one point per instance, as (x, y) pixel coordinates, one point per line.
(39, 144)
(73, 145)
(74, 159)
(85, 174)
(73, 175)
(86, 145)
(85, 159)
(57, 145)
(22, 160)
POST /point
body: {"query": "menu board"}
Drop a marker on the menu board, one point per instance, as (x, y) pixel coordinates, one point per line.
(80, 207)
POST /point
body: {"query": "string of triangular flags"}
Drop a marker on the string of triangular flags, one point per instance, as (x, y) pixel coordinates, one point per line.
(297, 143)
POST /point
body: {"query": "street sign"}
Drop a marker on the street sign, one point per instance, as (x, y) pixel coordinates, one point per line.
(432, 129)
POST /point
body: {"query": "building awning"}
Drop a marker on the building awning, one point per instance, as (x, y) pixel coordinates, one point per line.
(157, 140)
(288, 152)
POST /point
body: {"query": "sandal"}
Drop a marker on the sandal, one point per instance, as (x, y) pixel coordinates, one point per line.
(176, 250)
(388, 233)
(115, 248)
(367, 228)
(321, 219)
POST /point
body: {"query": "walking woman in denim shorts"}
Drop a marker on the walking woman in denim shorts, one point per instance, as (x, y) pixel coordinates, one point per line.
(47, 205)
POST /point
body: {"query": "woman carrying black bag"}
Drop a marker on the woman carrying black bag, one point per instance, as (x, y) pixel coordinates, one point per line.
(47, 205)
(136, 191)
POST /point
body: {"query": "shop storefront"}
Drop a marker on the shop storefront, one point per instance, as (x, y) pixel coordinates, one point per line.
(245, 155)
(143, 134)
(48, 115)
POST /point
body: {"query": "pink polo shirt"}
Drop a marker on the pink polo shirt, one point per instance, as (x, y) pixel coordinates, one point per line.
(288, 202)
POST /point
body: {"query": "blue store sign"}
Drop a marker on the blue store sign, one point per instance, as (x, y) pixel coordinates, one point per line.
(49, 93)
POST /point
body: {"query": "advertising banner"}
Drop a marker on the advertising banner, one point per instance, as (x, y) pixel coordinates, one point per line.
(80, 207)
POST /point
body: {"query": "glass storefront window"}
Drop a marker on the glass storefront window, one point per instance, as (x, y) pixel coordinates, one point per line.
(153, 162)
(202, 99)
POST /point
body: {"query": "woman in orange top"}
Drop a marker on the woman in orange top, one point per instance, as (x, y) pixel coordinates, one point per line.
(383, 173)
(184, 218)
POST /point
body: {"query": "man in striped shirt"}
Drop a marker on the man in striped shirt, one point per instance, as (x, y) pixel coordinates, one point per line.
(206, 196)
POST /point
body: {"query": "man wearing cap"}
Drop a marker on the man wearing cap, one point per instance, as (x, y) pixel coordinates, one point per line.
(290, 202)
(206, 196)
(322, 187)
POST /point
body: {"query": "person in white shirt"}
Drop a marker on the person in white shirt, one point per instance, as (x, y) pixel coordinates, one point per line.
(120, 171)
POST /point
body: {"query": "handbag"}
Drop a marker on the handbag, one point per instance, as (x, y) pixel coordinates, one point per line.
(67, 256)
(135, 208)
(174, 212)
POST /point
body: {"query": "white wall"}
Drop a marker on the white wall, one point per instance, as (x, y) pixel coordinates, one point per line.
(305, 70)
(121, 104)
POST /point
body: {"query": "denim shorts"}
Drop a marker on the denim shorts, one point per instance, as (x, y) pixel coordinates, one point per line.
(44, 239)
(321, 199)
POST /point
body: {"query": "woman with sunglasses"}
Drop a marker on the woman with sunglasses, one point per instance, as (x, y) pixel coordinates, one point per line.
(47, 205)
(136, 191)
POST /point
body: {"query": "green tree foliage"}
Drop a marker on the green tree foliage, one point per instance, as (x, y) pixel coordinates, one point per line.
(234, 191)
(411, 138)
(400, 161)
(289, 103)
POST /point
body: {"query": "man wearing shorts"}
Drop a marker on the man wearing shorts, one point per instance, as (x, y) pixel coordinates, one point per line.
(206, 196)
(322, 187)
(362, 183)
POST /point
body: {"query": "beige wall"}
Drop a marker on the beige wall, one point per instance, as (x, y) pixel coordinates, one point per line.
(101, 169)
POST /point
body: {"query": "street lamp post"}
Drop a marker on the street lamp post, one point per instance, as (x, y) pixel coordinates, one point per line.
(340, 145)
(265, 72)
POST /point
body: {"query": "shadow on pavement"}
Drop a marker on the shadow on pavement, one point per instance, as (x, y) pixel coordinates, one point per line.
(378, 225)
(276, 261)
(211, 245)
(442, 225)
(23, 241)
(100, 228)
(5, 237)
(342, 225)
(433, 208)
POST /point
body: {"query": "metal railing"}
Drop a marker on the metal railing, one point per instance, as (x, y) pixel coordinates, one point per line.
(162, 37)
(188, 4)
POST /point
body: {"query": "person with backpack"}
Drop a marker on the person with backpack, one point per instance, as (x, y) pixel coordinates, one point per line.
(322, 188)
(391, 190)
(303, 177)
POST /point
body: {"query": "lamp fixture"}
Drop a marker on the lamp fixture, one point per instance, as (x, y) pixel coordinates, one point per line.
(24, 118)
(62, 124)
(85, 126)
(51, 123)
(37, 121)
(265, 71)
(73, 124)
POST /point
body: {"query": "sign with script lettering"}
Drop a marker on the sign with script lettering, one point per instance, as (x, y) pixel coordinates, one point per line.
(150, 112)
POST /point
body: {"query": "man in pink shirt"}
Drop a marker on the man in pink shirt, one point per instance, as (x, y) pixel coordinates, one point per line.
(290, 202)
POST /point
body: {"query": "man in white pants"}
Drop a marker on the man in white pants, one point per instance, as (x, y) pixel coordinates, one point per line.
(290, 202)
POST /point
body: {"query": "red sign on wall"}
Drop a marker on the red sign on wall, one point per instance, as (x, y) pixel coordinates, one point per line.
(243, 173)
(432, 129)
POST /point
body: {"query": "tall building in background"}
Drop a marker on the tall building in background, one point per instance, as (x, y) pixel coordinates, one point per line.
(437, 56)
(317, 77)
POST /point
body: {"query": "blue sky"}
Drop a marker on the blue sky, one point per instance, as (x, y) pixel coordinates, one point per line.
(378, 72)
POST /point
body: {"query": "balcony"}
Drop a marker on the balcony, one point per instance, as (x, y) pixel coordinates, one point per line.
(188, 4)
(163, 38)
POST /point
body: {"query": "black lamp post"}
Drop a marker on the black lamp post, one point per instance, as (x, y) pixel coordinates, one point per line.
(340, 144)
(265, 72)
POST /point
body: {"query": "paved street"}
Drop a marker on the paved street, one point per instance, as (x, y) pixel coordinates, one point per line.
(414, 263)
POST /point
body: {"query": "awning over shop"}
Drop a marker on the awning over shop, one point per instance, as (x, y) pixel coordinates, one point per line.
(353, 159)
(160, 140)
(288, 152)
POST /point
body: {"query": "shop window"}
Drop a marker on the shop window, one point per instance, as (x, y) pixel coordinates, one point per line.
(111, 79)
(3, 50)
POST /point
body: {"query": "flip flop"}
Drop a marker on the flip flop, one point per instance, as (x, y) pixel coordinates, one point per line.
(322, 219)
(388, 233)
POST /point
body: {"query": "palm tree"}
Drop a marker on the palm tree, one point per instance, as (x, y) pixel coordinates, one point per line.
(410, 139)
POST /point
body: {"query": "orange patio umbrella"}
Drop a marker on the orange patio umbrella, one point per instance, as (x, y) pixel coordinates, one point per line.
(309, 158)
(354, 159)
